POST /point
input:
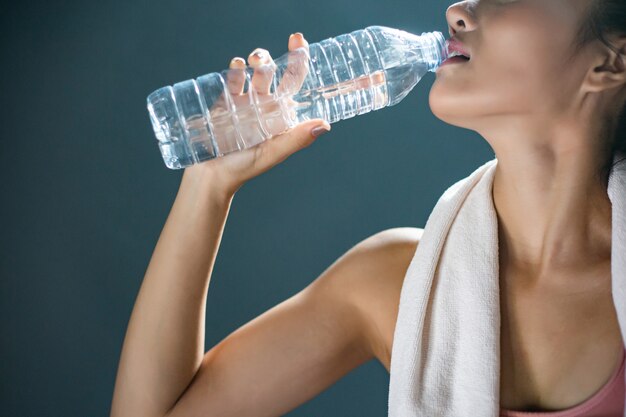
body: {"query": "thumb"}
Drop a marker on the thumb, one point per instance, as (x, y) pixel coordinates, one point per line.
(300, 136)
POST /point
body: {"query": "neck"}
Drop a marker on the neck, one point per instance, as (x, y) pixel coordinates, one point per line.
(553, 209)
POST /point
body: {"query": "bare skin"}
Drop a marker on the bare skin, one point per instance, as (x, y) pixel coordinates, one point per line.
(560, 339)
(542, 114)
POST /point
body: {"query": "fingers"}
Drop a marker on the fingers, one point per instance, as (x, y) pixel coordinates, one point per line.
(236, 76)
(264, 69)
(297, 66)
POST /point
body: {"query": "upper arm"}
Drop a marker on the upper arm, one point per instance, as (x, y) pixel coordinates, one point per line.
(300, 347)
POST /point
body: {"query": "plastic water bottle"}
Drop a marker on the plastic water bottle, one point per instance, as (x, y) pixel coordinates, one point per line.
(351, 74)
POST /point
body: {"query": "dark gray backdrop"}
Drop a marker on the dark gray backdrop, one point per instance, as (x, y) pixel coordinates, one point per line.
(85, 192)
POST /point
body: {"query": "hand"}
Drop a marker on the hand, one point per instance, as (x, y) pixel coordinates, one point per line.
(237, 167)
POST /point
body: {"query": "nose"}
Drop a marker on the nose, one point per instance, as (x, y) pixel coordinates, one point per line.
(460, 17)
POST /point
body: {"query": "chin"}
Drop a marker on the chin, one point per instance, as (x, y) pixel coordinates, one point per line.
(444, 105)
(465, 111)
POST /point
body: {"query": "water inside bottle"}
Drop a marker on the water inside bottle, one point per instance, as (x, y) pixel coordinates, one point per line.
(349, 87)
(342, 100)
(277, 114)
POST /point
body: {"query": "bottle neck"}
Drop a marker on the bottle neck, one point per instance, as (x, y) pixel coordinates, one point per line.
(397, 47)
(434, 49)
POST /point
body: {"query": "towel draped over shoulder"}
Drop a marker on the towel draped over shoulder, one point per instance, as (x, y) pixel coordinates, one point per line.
(445, 357)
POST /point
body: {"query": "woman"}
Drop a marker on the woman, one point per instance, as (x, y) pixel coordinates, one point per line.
(545, 86)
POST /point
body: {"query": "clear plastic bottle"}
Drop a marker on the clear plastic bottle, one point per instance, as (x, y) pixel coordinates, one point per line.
(351, 74)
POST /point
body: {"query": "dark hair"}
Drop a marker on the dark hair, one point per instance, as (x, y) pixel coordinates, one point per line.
(606, 18)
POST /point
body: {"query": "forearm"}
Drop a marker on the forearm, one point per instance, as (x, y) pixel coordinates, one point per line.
(164, 343)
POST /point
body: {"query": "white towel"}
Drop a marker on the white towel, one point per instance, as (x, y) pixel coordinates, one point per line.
(446, 352)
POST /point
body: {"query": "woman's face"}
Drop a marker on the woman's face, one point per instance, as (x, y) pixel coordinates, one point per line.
(519, 66)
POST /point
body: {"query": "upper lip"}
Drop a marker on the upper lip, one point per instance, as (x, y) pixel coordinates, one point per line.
(456, 45)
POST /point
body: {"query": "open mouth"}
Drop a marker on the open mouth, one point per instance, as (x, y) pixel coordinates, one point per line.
(455, 57)
(456, 54)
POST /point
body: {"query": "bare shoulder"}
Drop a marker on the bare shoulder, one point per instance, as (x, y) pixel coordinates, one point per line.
(369, 276)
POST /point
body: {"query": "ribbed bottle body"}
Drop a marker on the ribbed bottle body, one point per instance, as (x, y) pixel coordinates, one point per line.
(339, 78)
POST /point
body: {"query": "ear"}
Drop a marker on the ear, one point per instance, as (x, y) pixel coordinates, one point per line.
(610, 69)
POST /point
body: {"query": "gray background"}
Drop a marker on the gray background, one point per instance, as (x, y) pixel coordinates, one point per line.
(85, 192)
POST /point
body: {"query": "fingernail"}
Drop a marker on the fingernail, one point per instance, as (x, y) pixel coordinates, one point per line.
(320, 130)
(261, 55)
(237, 61)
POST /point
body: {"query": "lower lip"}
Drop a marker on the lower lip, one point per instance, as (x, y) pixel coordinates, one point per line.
(454, 60)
